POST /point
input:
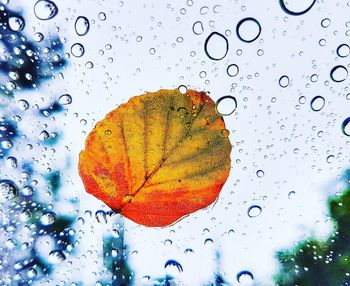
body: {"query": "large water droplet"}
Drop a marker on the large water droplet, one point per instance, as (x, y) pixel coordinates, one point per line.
(244, 277)
(48, 218)
(346, 126)
(16, 23)
(45, 9)
(226, 105)
(343, 50)
(82, 26)
(339, 73)
(248, 29)
(260, 173)
(197, 28)
(254, 211)
(296, 7)
(8, 190)
(65, 99)
(77, 50)
(172, 262)
(325, 22)
(232, 70)
(283, 81)
(57, 256)
(317, 103)
(216, 46)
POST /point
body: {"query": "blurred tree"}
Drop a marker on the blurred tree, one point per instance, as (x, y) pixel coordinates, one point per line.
(321, 262)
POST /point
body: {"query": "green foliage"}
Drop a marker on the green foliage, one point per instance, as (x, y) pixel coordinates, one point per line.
(321, 262)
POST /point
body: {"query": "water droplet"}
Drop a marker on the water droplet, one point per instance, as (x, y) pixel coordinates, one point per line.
(325, 22)
(208, 241)
(48, 218)
(216, 46)
(114, 252)
(248, 29)
(244, 277)
(82, 26)
(11, 162)
(38, 37)
(330, 159)
(57, 256)
(260, 173)
(23, 104)
(343, 50)
(296, 7)
(168, 242)
(225, 133)
(27, 191)
(65, 99)
(204, 10)
(8, 190)
(182, 89)
(254, 211)
(31, 273)
(44, 135)
(45, 9)
(172, 262)
(16, 23)
(128, 198)
(232, 70)
(102, 16)
(283, 81)
(188, 250)
(226, 105)
(291, 195)
(346, 126)
(197, 28)
(317, 103)
(101, 217)
(152, 51)
(77, 50)
(339, 73)
(89, 65)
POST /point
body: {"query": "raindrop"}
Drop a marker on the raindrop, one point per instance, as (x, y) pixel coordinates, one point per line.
(48, 218)
(57, 256)
(226, 105)
(45, 9)
(254, 211)
(345, 127)
(114, 252)
(101, 217)
(216, 46)
(325, 22)
(168, 242)
(65, 99)
(248, 29)
(38, 37)
(204, 10)
(260, 173)
(82, 26)
(244, 277)
(31, 273)
(172, 262)
(11, 162)
(8, 190)
(89, 65)
(330, 159)
(283, 81)
(182, 89)
(44, 135)
(16, 23)
(197, 28)
(102, 16)
(27, 191)
(296, 8)
(208, 240)
(232, 70)
(188, 250)
(343, 50)
(317, 103)
(291, 194)
(23, 104)
(339, 73)
(77, 50)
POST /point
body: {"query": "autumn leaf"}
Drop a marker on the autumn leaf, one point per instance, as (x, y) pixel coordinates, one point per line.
(158, 157)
